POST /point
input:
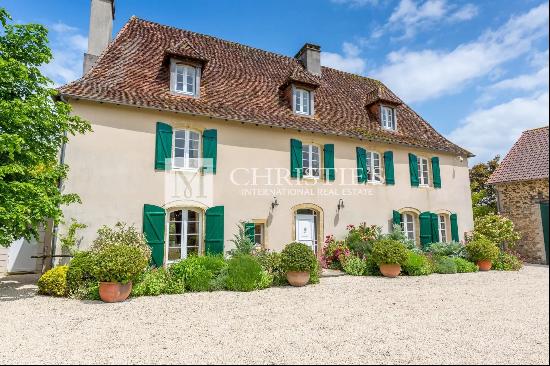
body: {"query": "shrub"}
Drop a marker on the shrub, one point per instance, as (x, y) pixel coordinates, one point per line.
(482, 249)
(271, 263)
(54, 282)
(199, 273)
(371, 267)
(496, 229)
(450, 249)
(444, 265)
(80, 276)
(389, 251)
(69, 242)
(244, 273)
(417, 265)
(243, 244)
(332, 251)
(355, 266)
(266, 280)
(360, 238)
(156, 282)
(507, 261)
(298, 257)
(120, 263)
(399, 235)
(465, 266)
(121, 235)
(315, 273)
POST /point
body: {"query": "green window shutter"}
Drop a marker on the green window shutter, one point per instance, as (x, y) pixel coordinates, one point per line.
(296, 159)
(454, 228)
(154, 223)
(396, 218)
(425, 229)
(413, 169)
(362, 172)
(249, 230)
(388, 168)
(435, 228)
(214, 230)
(436, 172)
(330, 174)
(163, 145)
(210, 150)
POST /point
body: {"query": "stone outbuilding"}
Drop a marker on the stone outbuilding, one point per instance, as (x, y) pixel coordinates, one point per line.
(521, 182)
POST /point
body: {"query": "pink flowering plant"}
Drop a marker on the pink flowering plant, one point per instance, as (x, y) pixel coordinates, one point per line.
(333, 251)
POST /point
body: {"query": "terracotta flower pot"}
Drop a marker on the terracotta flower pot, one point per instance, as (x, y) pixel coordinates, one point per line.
(390, 270)
(484, 265)
(114, 291)
(297, 279)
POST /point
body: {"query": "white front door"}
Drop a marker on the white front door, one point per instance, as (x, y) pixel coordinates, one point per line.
(305, 230)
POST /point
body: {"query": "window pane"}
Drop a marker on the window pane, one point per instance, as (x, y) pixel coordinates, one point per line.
(174, 254)
(192, 215)
(174, 241)
(192, 240)
(192, 251)
(176, 215)
(192, 227)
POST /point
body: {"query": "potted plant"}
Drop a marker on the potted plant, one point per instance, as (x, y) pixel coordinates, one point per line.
(389, 254)
(483, 252)
(115, 268)
(298, 260)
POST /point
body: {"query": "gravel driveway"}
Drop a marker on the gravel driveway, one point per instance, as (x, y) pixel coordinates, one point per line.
(496, 317)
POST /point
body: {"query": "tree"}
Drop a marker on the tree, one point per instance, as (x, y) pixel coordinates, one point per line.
(33, 127)
(484, 196)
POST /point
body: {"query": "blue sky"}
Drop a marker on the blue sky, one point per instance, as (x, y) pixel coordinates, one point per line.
(476, 70)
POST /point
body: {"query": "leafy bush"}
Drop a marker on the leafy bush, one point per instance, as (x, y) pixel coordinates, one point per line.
(244, 273)
(450, 249)
(298, 257)
(360, 238)
(69, 242)
(417, 265)
(332, 252)
(445, 265)
(389, 251)
(397, 234)
(120, 263)
(121, 235)
(482, 249)
(496, 229)
(271, 263)
(243, 244)
(315, 273)
(156, 282)
(465, 266)
(371, 267)
(507, 261)
(354, 266)
(80, 276)
(54, 282)
(199, 273)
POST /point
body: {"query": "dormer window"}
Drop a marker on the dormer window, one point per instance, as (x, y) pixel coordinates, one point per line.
(388, 118)
(185, 79)
(302, 101)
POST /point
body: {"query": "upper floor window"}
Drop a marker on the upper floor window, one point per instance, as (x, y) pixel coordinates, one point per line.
(423, 172)
(442, 228)
(373, 165)
(302, 101)
(186, 149)
(184, 79)
(388, 118)
(408, 225)
(311, 162)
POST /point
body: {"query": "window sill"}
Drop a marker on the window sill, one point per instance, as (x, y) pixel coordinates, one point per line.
(311, 177)
(183, 94)
(187, 170)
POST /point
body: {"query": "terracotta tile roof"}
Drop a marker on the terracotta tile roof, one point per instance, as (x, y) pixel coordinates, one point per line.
(527, 160)
(382, 94)
(241, 83)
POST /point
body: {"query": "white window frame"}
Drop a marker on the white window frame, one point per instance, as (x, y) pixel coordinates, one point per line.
(300, 103)
(184, 234)
(406, 218)
(374, 174)
(423, 179)
(385, 112)
(443, 229)
(261, 234)
(310, 166)
(175, 67)
(186, 159)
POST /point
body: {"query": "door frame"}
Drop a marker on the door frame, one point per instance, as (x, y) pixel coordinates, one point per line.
(319, 223)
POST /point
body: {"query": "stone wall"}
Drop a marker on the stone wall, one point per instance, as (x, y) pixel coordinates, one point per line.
(519, 201)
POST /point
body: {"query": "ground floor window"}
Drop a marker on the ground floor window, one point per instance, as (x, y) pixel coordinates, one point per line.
(184, 234)
(259, 234)
(408, 225)
(442, 228)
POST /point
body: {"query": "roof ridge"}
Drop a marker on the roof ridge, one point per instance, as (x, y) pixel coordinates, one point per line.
(536, 128)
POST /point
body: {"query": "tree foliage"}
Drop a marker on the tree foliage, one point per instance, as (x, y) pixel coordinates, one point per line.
(484, 197)
(33, 127)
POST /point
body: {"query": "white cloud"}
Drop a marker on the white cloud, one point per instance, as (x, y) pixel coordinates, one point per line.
(469, 11)
(356, 3)
(68, 47)
(350, 61)
(525, 82)
(493, 131)
(428, 74)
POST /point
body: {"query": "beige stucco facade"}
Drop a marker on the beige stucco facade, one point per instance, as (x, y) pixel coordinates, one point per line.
(112, 169)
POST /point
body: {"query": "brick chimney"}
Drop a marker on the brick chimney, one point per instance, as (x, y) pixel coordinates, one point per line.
(102, 14)
(310, 57)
